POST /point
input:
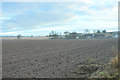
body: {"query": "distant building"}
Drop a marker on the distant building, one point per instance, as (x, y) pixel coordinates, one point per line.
(112, 34)
(80, 36)
(115, 36)
(73, 35)
(88, 36)
(108, 35)
(99, 35)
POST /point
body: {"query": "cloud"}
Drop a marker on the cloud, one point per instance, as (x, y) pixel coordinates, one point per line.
(72, 18)
(87, 1)
(6, 33)
(4, 17)
(28, 18)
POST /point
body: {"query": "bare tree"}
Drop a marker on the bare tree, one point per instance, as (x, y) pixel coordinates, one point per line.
(53, 34)
(87, 31)
(94, 31)
(19, 36)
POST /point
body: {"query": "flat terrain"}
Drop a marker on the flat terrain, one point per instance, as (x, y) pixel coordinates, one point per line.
(34, 38)
(51, 58)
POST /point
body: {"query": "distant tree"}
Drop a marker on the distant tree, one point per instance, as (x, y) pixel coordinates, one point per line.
(87, 31)
(49, 35)
(53, 34)
(74, 32)
(19, 36)
(66, 33)
(60, 34)
(94, 31)
(104, 31)
(31, 35)
(73, 35)
(98, 31)
(56, 34)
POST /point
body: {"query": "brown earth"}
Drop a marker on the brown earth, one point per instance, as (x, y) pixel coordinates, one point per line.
(54, 58)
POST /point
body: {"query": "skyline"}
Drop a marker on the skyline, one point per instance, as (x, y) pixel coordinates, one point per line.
(40, 18)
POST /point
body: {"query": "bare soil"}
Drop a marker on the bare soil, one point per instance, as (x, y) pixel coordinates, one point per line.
(54, 58)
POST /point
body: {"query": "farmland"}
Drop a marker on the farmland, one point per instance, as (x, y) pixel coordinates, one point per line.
(53, 58)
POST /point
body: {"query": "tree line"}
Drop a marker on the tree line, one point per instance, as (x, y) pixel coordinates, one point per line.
(67, 34)
(55, 34)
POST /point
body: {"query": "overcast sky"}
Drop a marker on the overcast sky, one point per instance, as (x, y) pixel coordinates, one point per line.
(40, 18)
